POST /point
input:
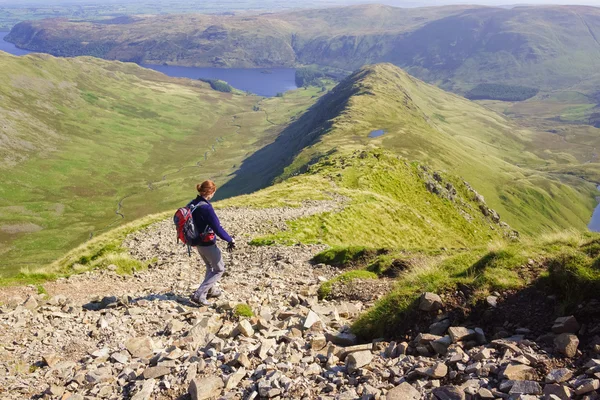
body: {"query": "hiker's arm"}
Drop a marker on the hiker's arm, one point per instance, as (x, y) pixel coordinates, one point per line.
(213, 221)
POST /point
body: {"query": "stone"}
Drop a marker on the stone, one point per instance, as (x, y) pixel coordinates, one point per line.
(561, 391)
(459, 333)
(31, 303)
(404, 391)
(245, 328)
(525, 387)
(559, 375)
(234, 379)
(566, 343)
(342, 339)
(565, 325)
(318, 342)
(51, 359)
(265, 346)
(146, 392)
(99, 375)
(437, 371)
(120, 357)
(586, 386)
(439, 328)
(485, 394)
(449, 393)
(311, 319)
(492, 301)
(430, 302)
(140, 347)
(519, 372)
(357, 360)
(205, 388)
(441, 345)
(480, 336)
(156, 372)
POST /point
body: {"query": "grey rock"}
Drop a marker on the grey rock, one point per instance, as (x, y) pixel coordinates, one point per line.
(357, 360)
(234, 379)
(440, 346)
(31, 303)
(559, 375)
(245, 328)
(437, 371)
(311, 319)
(430, 302)
(342, 339)
(492, 301)
(439, 328)
(587, 386)
(526, 387)
(563, 392)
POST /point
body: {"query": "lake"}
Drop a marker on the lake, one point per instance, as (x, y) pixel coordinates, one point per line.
(261, 81)
(594, 224)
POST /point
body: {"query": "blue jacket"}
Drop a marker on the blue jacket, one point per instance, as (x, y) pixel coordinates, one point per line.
(204, 216)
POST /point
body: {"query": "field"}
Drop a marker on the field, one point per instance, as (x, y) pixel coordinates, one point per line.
(89, 144)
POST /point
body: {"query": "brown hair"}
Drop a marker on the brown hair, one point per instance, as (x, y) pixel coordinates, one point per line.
(206, 188)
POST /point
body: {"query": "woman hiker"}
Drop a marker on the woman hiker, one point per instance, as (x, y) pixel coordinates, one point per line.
(207, 223)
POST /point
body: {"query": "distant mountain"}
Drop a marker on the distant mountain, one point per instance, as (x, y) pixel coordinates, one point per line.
(456, 47)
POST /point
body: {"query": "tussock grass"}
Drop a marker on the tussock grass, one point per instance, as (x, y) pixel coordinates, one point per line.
(344, 278)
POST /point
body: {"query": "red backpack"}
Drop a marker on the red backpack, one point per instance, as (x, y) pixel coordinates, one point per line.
(187, 232)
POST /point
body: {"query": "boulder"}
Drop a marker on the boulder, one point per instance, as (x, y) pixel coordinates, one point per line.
(459, 333)
(430, 302)
(205, 388)
(357, 360)
(245, 328)
(449, 393)
(565, 325)
(525, 387)
(559, 375)
(566, 344)
(437, 371)
(519, 372)
(404, 391)
(140, 347)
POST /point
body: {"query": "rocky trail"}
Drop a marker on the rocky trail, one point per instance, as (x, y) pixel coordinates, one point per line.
(104, 336)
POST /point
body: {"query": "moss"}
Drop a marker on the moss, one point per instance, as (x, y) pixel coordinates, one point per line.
(264, 241)
(243, 310)
(348, 276)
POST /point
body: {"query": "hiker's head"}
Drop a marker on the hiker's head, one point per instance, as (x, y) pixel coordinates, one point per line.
(206, 189)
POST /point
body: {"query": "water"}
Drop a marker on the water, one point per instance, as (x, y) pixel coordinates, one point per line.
(594, 224)
(11, 48)
(377, 133)
(260, 81)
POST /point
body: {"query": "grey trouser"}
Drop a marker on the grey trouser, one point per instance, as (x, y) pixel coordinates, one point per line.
(214, 268)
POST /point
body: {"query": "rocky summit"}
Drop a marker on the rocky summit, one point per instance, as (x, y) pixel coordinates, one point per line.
(104, 336)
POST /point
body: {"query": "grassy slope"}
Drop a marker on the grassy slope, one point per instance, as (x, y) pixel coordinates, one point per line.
(80, 135)
(388, 205)
(446, 131)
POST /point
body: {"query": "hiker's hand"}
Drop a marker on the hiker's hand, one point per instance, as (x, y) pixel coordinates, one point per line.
(231, 245)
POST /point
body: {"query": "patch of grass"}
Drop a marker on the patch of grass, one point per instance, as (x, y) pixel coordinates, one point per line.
(243, 310)
(344, 278)
(567, 267)
(342, 256)
(41, 290)
(262, 242)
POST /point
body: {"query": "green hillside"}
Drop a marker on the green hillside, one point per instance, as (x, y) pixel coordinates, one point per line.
(87, 144)
(421, 122)
(457, 47)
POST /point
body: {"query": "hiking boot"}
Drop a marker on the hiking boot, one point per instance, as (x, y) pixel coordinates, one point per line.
(199, 301)
(214, 292)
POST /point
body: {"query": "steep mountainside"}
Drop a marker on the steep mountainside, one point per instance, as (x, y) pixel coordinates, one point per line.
(458, 47)
(444, 130)
(86, 144)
